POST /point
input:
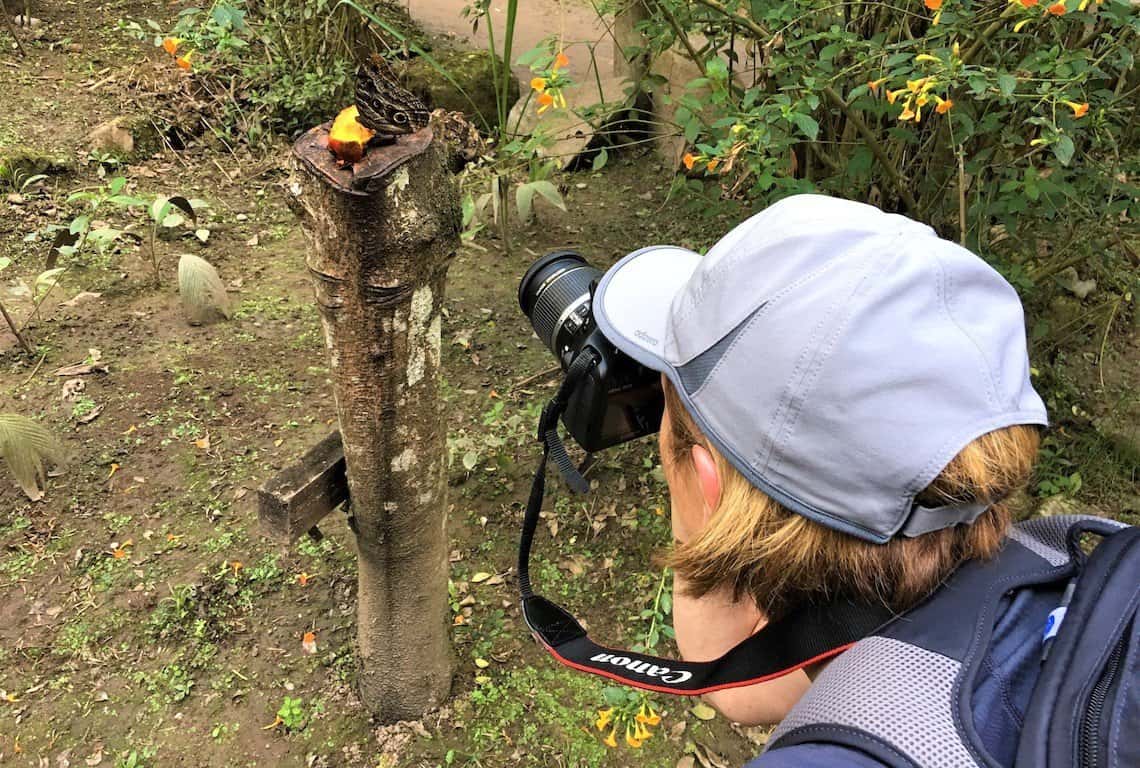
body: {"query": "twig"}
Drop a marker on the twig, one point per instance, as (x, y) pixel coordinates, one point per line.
(876, 149)
(12, 29)
(35, 370)
(534, 378)
(751, 25)
(1104, 339)
(961, 197)
(12, 323)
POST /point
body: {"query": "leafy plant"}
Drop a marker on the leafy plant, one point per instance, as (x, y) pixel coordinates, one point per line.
(292, 715)
(28, 448)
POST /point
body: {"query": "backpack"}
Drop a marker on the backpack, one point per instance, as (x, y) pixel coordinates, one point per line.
(903, 694)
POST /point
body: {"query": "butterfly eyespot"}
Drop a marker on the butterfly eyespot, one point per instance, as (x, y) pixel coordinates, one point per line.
(400, 117)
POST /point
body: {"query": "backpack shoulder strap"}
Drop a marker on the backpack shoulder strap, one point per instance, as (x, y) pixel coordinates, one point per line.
(898, 694)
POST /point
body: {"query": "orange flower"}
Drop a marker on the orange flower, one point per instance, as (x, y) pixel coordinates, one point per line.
(119, 553)
(874, 84)
(170, 45)
(892, 95)
(538, 84)
(1027, 3)
(561, 60)
(688, 160)
(933, 5)
(303, 579)
(1079, 110)
(237, 565)
(545, 101)
(184, 60)
(907, 114)
(944, 106)
(712, 165)
(611, 740)
(1057, 9)
(309, 643)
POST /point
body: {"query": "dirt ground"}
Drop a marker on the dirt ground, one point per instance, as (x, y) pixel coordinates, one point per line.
(144, 621)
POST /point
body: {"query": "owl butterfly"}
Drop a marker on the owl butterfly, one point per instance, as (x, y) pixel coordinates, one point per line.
(384, 105)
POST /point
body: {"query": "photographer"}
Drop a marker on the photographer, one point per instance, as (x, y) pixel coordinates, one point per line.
(845, 409)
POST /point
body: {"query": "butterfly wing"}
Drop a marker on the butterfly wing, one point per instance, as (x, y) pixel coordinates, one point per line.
(384, 105)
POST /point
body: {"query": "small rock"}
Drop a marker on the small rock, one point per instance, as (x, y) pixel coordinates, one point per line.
(242, 217)
(15, 199)
(74, 47)
(253, 241)
(111, 136)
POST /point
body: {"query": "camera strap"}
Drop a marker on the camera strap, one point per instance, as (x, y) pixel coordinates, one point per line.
(810, 634)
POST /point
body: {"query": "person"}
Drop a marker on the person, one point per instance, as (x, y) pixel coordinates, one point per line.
(848, 411)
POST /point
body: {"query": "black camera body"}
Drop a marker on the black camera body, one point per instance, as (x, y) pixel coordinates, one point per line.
(619, 399)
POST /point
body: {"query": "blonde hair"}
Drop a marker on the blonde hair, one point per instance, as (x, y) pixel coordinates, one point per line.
(756, 547)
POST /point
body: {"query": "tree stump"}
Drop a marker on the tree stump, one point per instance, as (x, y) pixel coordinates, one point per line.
(382, 235)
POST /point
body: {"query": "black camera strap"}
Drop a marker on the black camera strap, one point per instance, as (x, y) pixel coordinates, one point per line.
(808, 635)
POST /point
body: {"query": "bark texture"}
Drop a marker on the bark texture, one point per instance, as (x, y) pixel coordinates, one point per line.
(378, 263)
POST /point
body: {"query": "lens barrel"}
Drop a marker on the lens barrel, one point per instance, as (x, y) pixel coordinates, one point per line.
(555, 294)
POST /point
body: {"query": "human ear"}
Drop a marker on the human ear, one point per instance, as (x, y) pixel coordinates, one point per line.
(707, 479)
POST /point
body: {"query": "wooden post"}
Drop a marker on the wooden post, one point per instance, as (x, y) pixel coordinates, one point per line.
(382, 235)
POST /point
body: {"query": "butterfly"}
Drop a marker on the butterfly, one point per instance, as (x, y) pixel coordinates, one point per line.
(384, 105)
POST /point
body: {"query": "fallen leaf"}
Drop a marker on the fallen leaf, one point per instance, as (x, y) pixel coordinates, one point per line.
(237, 565)
(131, 430)
(94, 758)
(114, 468)
(702, 711)
(276, 722)
(203, 443)
(81, 297)
(480, 577)
(482, 663)
(71, 389)
(91, 415)
(686, 762)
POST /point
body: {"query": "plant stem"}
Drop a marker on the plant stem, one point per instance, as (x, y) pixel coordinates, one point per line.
(12, 324)
(154, 257)
(656, 606)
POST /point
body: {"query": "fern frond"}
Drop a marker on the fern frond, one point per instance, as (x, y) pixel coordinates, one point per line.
(28, 448)
(204, 297)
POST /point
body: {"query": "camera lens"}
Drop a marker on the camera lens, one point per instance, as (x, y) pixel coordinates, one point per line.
(555, 295)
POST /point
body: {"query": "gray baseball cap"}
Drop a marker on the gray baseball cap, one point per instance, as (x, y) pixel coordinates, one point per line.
(837, 355)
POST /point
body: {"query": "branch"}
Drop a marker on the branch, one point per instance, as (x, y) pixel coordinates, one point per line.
(751, 25)
(873, 144)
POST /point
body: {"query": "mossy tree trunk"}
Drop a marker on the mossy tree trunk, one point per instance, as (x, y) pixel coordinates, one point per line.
(381, 245)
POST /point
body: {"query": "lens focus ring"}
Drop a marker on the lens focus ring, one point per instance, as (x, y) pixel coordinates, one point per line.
(561, 291)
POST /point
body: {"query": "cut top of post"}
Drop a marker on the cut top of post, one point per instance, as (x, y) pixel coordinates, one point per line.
(312, 148)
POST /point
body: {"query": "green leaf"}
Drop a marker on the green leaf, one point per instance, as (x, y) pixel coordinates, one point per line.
(601, 159)
(524, 201)
(5, 262)
(470, 459)
(1063, 149)
(1006, 84)
(702, 711)
(551, 193)
(807, 124)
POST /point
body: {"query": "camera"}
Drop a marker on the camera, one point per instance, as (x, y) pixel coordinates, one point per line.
(619, 399)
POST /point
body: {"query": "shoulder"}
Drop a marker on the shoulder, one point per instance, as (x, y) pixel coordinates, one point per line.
(815, 756)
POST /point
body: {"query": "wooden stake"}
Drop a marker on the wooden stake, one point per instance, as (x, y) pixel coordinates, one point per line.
(383, 234)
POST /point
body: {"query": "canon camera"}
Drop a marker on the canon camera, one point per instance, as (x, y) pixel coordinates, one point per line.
(618, 399)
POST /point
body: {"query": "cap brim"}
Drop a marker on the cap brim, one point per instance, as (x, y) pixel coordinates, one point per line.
(632, 302)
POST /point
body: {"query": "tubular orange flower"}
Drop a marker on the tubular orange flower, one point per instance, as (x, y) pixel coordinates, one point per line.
(647, 715)
(545, 101)
(892, 95)
(611, 740)
(688, 160)
(933, 5)
(604, 718)
(561, 60)
(538, 84)
(1079, 110)
(907, 114)
(944, 106)
(119, 554)
(1027, 3)
(631, 739)
(184, 60)
(712, 165)
(237, 565)
(874, 84)
(170, 44)
(1057, 9)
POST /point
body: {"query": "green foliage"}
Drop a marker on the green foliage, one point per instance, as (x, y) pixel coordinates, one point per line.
(292, 714)
(1004, 126)
(273, 65)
